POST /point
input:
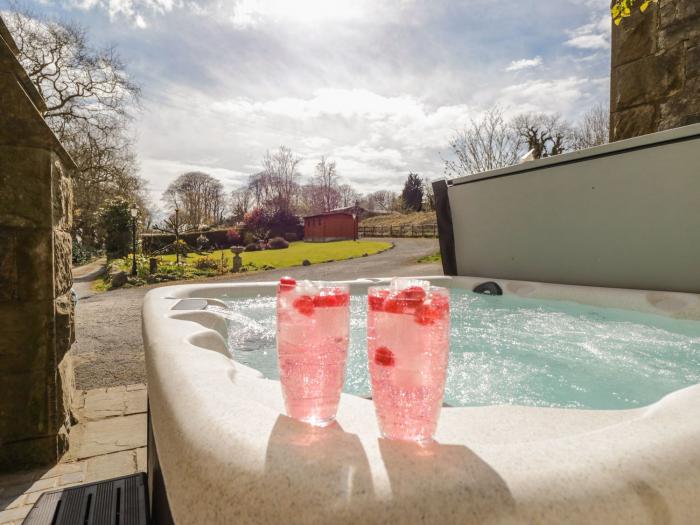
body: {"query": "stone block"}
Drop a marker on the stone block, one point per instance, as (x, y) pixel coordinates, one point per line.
(63, 276)
(692, 63)
(633, 122)
(62, 195)
(64, 324)
(28, 261)
(635, 38)
(25, 179)
(650, 79)
(682, 110)
(33, 420)
(9, 271)
(23, 347)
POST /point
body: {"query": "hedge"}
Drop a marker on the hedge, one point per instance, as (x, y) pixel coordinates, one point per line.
(153, 242)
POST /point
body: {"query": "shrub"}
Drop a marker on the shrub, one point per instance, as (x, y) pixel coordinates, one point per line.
(233, 236)
(248, 238)
(252, 247)
(82, 253)
(283, 221)
(257, 222)
(277, 243)
(206, 263)
(115, 227)
(291, 237)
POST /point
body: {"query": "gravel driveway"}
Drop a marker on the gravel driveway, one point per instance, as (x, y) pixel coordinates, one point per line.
(109, 350)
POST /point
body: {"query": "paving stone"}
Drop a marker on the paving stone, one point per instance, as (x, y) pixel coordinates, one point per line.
(105, 436)
(13, 515)
(100, 404)
(135, 402)
(111, 466)
(31, 499)
(135, 386)
(69, 479)
(63, 468)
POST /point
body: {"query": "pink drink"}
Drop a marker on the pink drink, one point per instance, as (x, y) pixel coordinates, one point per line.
(408, 345)
(312, 346)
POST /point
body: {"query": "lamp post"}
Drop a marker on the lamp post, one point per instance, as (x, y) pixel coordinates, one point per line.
(354, 225)
(134, 213)
(355, 215)
(177, 235)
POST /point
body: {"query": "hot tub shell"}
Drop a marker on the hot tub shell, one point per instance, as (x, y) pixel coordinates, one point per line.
(224, 452)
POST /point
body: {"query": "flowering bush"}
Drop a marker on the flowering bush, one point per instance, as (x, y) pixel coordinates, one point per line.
(233, 236)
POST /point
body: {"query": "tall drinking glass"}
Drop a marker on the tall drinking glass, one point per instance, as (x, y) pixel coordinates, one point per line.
(408, 327)
(313, 321)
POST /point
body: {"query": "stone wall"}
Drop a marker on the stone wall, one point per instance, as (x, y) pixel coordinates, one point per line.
(36, 310)
(655, 79)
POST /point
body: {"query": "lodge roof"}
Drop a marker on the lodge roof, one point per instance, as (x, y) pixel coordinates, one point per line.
(328, 214)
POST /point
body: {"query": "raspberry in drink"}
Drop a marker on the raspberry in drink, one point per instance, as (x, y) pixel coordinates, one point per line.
(408, 347)
(312, 346)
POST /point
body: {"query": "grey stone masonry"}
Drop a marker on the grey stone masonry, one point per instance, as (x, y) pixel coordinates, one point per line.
(36, 310)
(655, 78)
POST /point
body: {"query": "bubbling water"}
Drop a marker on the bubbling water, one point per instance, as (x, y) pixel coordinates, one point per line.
(510, 350)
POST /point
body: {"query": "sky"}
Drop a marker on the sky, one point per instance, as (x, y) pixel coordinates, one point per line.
(379, 86)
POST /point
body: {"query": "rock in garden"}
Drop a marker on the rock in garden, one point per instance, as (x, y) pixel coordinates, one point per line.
(306, 262)
(118, 279)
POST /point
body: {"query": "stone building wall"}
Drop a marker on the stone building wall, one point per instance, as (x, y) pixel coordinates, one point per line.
(36, 310)
(655, 79)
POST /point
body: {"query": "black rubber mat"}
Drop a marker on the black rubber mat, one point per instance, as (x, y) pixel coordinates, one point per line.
(118, 501)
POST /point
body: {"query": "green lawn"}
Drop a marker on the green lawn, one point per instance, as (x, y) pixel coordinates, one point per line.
(215, 264)
(314, 252)
(434, 258)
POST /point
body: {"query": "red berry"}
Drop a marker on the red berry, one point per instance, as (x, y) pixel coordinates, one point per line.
(384, 357)
(432, 310)
(304, 305)
(376, 300)
(287, 284)
(334, 297)
(426, 314)
(412, 293)
(393, 305)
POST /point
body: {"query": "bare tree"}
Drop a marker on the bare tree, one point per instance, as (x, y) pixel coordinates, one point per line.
(428, 196)
(241, 202)
(279, 179)
(199, 196)
(326, 180)
(384, 200)
(546, 135)
(593, 129)
(348, 195)
(89, 96)
(483, 145)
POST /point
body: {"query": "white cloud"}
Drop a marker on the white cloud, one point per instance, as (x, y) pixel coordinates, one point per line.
(595, 35)
(525, 63)
(377, 85)
(132, 10)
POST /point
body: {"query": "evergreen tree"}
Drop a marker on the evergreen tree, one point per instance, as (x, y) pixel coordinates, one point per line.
(412, 194)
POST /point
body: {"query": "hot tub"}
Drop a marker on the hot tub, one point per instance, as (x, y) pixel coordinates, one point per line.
(222, 450)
